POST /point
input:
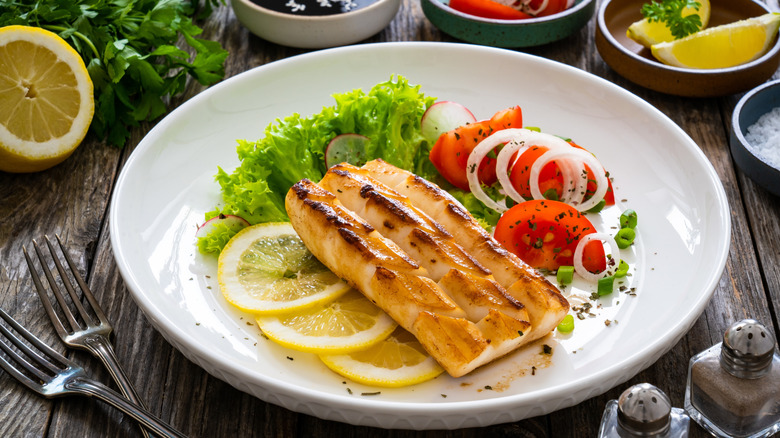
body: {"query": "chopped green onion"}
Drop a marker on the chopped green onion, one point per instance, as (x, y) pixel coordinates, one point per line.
(551, 194)
(598, 207)
(628, 219)
(533, 128)
(567, 324)
(606, 285)
(622, 269)
(565, 274)
(625, 237)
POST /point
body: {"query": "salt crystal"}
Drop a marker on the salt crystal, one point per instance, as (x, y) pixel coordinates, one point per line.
(763, 138)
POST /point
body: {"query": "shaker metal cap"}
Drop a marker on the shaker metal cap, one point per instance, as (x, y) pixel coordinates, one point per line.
(644, 410)
(747, 349)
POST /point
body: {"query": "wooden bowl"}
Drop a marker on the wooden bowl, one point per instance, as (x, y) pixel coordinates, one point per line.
(749, 109)
(508, 33)
(635, 63)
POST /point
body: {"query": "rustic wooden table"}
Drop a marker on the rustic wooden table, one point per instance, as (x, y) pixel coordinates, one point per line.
(72, 200)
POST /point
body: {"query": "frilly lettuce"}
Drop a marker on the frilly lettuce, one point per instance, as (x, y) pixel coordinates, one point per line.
(293, 148)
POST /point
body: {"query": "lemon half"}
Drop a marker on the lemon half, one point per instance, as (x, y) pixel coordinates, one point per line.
(399, 360)
(721, 46)
(266, 269)
(46, 99)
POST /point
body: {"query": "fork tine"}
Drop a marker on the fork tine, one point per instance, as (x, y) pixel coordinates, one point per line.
(44, 297)
(43, 348)
(19, 359)
(55, 289)
(80, 280)
(67, 283)
(10, 369)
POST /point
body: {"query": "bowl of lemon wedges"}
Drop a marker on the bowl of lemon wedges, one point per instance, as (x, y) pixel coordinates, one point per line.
(692, 48)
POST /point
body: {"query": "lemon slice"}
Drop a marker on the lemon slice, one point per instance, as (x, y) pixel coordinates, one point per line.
(266, 268)
(721, 46)
(399, 360)
(46, 102)
(648, 33)
(349, 323)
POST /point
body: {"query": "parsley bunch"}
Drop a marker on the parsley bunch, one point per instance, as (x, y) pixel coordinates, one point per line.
(670, 13)
(129, 48)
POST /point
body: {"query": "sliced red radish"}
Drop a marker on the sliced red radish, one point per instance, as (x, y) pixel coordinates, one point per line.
(230, 221)
(349, 148)
(444, 116)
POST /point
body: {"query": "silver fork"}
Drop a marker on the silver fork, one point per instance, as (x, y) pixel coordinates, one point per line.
(93, 335)
(50, 374)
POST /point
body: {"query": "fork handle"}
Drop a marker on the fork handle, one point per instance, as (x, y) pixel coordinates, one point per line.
(100, 347)
(96, 389)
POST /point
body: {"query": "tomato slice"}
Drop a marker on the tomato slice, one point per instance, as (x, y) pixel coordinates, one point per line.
(609, 197)
(451, 152)
(545, 234)
(550, 177)
(488, 9)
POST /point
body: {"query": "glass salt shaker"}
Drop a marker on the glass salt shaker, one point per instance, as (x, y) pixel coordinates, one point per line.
(734, 387)
(643, 411)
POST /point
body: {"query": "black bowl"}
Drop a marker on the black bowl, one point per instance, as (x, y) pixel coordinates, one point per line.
(750, 108)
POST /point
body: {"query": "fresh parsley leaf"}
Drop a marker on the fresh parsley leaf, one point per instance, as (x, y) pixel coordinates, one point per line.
(129, 48)
(670, 12)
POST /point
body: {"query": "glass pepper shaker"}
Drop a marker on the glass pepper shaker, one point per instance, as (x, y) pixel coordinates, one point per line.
(643, 411)
(734, 387)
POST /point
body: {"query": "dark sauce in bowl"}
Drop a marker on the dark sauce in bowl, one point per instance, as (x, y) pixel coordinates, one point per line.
(314, 7)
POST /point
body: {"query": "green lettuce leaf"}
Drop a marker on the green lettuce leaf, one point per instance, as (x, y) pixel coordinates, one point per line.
(293, 148)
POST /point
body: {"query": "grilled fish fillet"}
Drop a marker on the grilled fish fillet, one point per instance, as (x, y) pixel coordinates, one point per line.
(460, 340)
(545, 305)
(425, 240)
(396, 218)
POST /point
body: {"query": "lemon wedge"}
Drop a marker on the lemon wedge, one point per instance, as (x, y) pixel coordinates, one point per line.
(648, 33)
(399, 360)
(46, 100)
(721, 46)
(349, 323)
(266, 269)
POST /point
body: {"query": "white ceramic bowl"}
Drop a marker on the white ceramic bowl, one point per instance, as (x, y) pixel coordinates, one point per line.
(315, 31)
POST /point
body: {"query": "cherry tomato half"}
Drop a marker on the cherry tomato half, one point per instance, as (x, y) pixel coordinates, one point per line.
(451, 151)
(545, 233)
(550, 176)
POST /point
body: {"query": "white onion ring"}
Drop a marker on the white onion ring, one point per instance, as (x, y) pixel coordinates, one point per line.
(525, 139)
(542, 7)
(579, 268)
(573, 184)
(571, 162)
(475, 159)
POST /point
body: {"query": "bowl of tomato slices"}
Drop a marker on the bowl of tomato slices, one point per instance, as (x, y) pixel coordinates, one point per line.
(509, 24)
(636, 63)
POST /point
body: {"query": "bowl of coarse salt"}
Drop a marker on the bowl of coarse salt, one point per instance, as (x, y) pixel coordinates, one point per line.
(755, 135)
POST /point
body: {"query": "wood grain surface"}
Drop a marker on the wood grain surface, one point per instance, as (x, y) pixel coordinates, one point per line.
(72, 200)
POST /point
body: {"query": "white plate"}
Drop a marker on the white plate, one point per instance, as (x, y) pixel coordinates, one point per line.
(167, 185)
